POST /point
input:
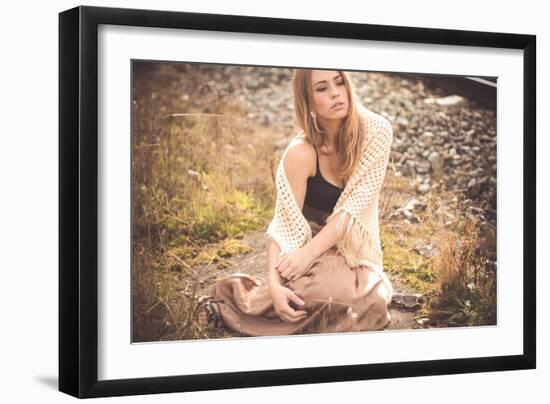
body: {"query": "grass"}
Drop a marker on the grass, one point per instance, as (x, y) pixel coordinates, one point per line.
(201, 181)
(457, 274)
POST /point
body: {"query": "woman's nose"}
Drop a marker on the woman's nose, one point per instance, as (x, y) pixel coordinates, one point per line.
(334, 92)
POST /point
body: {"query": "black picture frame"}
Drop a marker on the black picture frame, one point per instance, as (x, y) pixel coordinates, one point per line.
(78, 200)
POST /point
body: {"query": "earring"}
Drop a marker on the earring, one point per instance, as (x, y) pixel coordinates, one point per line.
(315, 124)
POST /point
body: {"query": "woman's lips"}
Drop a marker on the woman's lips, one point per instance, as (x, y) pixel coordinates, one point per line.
(338, 105)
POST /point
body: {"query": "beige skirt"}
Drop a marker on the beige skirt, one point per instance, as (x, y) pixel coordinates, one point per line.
(338, 299)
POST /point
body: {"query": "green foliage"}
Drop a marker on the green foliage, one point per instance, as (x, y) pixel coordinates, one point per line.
(402, 260)
(200, 181)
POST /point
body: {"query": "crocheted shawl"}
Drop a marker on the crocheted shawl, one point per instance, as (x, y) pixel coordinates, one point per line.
(360, 240)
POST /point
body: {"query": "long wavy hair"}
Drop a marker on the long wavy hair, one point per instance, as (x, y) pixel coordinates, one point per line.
(351, 134)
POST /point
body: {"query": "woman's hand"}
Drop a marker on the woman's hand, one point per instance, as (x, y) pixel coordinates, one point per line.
(295, 264)
(281, 296)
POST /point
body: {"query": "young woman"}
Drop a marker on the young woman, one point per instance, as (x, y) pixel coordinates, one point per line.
(320, 277)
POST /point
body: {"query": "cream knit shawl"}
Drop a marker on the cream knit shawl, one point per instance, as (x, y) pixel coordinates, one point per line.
(359, 242)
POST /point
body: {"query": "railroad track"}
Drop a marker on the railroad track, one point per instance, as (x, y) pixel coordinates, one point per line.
(481, 89)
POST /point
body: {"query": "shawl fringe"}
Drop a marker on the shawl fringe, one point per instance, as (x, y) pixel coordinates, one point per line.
(354, 240)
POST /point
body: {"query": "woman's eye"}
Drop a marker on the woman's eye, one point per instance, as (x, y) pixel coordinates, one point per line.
(339, 83)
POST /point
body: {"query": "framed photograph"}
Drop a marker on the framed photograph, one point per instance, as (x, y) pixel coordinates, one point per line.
(249, 201)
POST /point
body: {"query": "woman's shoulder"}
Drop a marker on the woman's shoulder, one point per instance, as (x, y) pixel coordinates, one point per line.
(300, 154)
(301, 149)
(301, 143)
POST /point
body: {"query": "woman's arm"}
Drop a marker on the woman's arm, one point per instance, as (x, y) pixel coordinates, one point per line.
(273, 251)
(282, 295)
(299, 164)
(326, 237)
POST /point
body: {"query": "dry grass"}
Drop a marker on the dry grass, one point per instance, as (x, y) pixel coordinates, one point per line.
(395, 192)
(201, 180)
(449, 256)
(466, 270)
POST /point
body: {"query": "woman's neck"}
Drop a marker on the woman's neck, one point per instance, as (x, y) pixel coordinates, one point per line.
(330, 129)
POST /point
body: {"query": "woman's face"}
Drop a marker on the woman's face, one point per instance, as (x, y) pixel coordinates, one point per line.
(330, 95)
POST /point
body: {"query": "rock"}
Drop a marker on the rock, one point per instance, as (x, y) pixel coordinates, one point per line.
(426, 250)
(427, 138)
(451, 101)
(423, 167)
(450, 182)
(415, 205)
(492, 198)
(405, 170)
(475, 173)
(411, 217)
(408, 168)
(401, 121)
(400, 146)
(253, 84)
(407, 301)
(423, 322)
(424, 188)
(267, 119)
(396, 156)
(406, 211)
(473, 188)
(194, 173)
(437, 163)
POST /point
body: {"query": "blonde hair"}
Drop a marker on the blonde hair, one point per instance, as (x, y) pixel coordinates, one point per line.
(350, 136)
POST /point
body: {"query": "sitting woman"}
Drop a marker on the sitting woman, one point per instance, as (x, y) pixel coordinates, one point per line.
(325, 271)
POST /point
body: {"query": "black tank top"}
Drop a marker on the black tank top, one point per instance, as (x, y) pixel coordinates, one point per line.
(321, 196)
